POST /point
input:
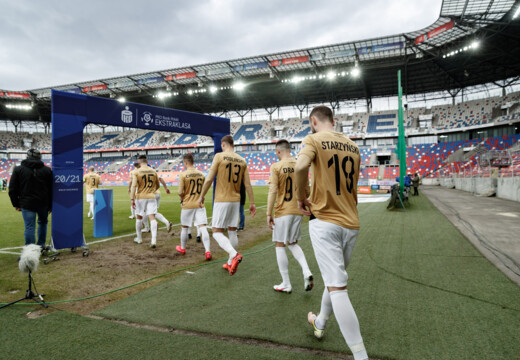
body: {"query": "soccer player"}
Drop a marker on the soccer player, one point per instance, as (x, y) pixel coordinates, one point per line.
(145, 183)
(92, 182)
(190, 187)
(136, 166)
(334, 224)
(158, 215)
(287, 221)
(230, 169)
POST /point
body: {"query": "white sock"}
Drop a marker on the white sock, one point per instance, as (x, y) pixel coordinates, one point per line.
(91, 211)
(189, 230)
(224, 243)
(233, 238)
(184, 237)
(145, 222)
(133, 211)
(205, 237)
(300, 257)
(325, 311)
(162, 219)
(348, 323)
(283, 265)
(153, 226)
(198, 232)
(138, 227)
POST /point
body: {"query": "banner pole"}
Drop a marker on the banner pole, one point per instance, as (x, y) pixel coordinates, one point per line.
(401, 145)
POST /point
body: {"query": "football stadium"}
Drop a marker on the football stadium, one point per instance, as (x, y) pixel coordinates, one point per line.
(146, 255)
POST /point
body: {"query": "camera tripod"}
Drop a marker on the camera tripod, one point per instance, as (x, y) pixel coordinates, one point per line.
(30, 295)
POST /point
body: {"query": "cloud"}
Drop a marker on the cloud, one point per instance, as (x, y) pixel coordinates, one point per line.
(59, 42)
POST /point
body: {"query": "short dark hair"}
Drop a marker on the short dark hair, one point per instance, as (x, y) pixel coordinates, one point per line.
(323, 113)
(188, 157)
(228, 139)
(34, 154)
(283, 144)
(141, 158)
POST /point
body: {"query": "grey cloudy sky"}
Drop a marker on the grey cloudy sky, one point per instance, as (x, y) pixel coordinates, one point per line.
(47, 43)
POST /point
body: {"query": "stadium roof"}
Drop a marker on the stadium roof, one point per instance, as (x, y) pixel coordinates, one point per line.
(471, 43)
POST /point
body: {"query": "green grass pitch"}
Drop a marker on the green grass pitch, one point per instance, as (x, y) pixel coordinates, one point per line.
(420, 290)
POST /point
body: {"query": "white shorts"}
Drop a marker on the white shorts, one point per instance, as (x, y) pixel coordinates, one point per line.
(145, 207)
(225, 214)
(90, 198)
(158, 199)
(333, 245)
(188, 216)
(287, 229)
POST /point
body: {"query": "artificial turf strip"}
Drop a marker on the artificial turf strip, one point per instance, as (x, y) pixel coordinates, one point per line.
(63, 335)
(421, 291)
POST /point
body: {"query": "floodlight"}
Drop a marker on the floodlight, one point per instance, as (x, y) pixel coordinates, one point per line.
(331, 75)
(162, 95)
(356, 72)
(121, 99)
(190, 92)
(213, 89)
(475, 44)
(296, 79)
(19, 106)
(517, 12)
(239, 86)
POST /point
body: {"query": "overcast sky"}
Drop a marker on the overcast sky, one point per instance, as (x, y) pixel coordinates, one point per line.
(48, 43)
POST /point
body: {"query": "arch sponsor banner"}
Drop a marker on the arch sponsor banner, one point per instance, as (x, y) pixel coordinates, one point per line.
(364, 190)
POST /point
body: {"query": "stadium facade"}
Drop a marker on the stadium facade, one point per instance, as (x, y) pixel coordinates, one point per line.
(473, 47)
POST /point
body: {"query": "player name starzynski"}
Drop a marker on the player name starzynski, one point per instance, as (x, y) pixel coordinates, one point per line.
(336, 145)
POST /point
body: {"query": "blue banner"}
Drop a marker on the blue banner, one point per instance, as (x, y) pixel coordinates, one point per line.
(70, 114)
(103, 213)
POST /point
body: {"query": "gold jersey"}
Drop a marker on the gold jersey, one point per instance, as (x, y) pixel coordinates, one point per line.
(335, 162)
(230, 169)
(92, 181)
(281, 183)
(190, 187)
(145, 183)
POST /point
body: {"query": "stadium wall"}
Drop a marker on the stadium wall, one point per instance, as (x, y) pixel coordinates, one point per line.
(508, 188)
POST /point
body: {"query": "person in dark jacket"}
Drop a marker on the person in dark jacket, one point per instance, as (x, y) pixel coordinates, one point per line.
(30, 190)
(242, 203)
(415, 182)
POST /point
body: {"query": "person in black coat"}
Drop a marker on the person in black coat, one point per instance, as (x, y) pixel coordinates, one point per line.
(30, 190)
(242, 203)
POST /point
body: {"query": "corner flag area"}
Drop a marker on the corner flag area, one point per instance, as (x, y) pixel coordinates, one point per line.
(420, 289)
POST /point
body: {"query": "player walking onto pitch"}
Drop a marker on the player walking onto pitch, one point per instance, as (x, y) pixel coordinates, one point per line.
(286, 228)
(230, 169)
(158, 215)
(334, 224)
(130, 176)
(92, 182)
(145, 183)
(190, 187)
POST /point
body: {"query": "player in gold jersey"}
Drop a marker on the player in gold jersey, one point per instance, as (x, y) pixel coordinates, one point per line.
(190, 187)
(92, 182)
(287, 221)
(145, 183)
(334, 224)
(230, 169)
(130, 174)
(158, 215)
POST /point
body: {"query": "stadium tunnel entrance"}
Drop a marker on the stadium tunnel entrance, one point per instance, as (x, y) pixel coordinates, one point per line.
(71, 113)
